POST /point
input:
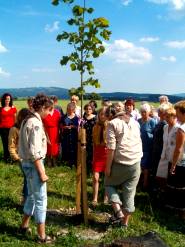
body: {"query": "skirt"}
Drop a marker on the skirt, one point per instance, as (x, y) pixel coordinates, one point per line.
(99, 158)
(175, 190)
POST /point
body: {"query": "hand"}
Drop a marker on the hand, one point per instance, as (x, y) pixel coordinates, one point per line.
(44, 178)
(172, 170)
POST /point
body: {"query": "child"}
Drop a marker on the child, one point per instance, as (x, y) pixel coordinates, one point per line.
(13, 144)
(99, 152)
(32, 151)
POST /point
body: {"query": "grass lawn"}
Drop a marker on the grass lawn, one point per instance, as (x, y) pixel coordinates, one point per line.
(61, 197)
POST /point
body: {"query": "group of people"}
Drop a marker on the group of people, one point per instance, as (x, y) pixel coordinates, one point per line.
(121, 141)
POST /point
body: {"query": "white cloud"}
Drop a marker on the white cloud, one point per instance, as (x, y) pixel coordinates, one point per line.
(52, 28)
(176, 44)
(176, 4)
(171, 59)
(126, 2)
(4, 73)
(126, 52)
(149, 39)
(2, 48)
(43, 70)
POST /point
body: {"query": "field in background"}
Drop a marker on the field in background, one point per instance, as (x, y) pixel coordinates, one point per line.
(63, 103)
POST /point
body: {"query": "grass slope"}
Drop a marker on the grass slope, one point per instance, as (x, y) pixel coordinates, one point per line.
(61, 196)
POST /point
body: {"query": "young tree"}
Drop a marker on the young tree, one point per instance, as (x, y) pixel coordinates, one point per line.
(86, 40)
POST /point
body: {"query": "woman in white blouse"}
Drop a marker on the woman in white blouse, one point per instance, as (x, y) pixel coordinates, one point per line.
(169, 142)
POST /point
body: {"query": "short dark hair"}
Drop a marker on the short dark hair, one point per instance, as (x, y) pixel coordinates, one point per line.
(93, 102)
(110, 111)
(87, 105)
(54, 98)
(41, 100)
(3, 98)
(130, 102)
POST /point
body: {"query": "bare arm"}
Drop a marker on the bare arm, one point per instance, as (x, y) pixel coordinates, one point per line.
(180, 138)
(110, 156)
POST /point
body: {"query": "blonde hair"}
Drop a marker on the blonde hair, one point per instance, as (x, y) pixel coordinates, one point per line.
(75, 97)
(163, 107)
(119, 103)
(171, 111)
(180, 106)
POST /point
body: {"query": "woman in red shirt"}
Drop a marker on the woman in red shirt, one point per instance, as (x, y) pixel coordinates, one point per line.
(7, 120)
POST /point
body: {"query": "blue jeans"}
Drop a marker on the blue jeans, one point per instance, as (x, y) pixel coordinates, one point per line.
(36, 201)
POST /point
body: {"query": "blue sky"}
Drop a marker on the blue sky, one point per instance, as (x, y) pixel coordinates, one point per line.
(146, 52)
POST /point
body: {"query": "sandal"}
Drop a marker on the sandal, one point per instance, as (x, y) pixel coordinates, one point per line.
(46, 240)
(114, 219)
(25, 231)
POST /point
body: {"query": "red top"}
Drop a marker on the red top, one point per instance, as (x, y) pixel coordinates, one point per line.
(51, 124)
(7, 118)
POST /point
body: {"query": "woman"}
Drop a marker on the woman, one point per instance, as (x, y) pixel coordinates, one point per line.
(169, 142)
(131, 110)
(51, 124)
(32, 150)
(7, 120)
(99, 152)
(75, 99)
(69, 135)
(158, 140)
(89, 121)
(176, 177)
(147, 125)
(123, 165)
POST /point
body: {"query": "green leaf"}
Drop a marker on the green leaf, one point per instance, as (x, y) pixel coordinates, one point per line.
(78, 10)
(68, 1)
(55, 2)
(73, 66)
(62, 36)
(71, 21)
(64, 60)
(90, 10)
(101, 22)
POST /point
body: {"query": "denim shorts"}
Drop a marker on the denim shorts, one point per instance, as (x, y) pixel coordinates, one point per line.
(122, 183)
(36, 201)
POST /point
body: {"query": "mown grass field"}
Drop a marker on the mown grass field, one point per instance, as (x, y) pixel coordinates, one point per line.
(61, 197)
(63, 103)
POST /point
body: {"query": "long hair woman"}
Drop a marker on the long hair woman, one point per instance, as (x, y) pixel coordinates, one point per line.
(7, 120)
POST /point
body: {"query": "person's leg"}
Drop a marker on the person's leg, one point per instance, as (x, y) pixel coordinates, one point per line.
(40, 197)
(115, 202)
(96, 176)
(129, 191)
(25, 221)
(4, 137)
(145, 178)
(29, 203)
